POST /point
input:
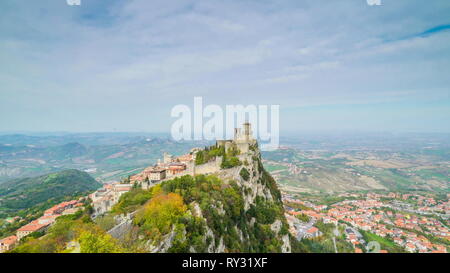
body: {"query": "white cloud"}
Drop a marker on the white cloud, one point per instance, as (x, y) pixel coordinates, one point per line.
(149, 54)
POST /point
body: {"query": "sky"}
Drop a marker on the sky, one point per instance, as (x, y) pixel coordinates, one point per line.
(123, 65)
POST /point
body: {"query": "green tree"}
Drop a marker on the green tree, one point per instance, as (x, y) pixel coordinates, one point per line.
(199, 158)
(131, 200)
(244, 174)
(96, 242)
(161, 213)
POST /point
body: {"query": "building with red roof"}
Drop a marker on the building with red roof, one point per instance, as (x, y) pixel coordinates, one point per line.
(34, 226)
(7, 243)
(312, 232)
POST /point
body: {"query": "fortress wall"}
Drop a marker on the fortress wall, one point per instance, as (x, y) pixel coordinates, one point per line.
(210, 167)
(188, 171)
(243, 157)
(243, 147)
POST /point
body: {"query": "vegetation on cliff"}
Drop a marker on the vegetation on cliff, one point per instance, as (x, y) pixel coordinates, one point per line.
(229, 157)
(158, 215)
(204, 213)
(133, 200)
(208, 154)
(244, 174)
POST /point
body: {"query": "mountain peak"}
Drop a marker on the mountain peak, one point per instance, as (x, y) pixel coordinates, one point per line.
(229, 202)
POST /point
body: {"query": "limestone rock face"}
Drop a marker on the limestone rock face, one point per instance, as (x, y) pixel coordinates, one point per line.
(253, 188)
(260, 206)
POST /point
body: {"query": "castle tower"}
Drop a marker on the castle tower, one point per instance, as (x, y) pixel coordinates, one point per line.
(167, 158)
(248, 134)
(237, 134)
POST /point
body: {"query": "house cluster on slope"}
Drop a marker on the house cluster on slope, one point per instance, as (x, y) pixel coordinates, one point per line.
(42, 223)
(370, 212)
(169, 167)
(106, 197)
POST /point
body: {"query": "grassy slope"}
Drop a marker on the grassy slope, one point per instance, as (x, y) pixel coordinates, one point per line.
(28, 192)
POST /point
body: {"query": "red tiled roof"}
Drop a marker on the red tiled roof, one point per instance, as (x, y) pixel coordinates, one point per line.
(9, 240)
(123, 189)
(312, 230)
(33, 226)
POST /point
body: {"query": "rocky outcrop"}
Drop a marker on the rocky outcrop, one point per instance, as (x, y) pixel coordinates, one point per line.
(245, 215)
(252, 187)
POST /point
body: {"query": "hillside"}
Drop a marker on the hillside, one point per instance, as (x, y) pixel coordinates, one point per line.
(235, 208)
(224, 201)
(25, 193)
(231, 204)
(329, 171)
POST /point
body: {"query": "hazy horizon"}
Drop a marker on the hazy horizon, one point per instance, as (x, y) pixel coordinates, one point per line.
(120, 66)
(282, 133)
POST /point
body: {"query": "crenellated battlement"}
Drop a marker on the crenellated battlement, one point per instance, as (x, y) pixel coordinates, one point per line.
(243, 139)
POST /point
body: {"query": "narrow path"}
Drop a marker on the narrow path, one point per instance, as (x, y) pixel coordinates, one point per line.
(336, 233)
(334, 243)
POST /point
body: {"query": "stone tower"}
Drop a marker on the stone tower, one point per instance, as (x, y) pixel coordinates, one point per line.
(167, 158)
(247, 134)
(243, 138)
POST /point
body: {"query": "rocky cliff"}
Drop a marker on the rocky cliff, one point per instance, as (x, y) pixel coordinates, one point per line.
(235, 208)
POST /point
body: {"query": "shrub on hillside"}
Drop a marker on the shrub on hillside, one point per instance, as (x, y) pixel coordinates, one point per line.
(244, 174)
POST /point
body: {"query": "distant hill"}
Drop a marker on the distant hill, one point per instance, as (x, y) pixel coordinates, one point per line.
(112, 156)
(327, 171)
(67, 151)
(25, 193)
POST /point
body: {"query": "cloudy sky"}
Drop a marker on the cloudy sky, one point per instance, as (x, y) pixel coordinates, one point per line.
(111, 65)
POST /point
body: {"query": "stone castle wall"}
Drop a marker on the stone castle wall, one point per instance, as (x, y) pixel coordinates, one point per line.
(208, 168)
